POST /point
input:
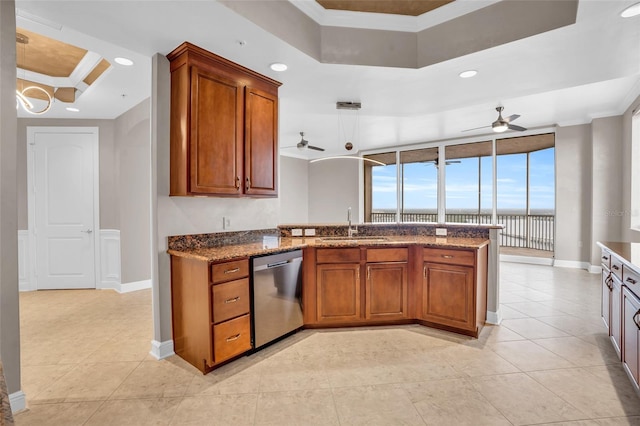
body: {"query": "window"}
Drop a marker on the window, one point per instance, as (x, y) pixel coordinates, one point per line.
(469, 182)
(419, 185)
(381, 188)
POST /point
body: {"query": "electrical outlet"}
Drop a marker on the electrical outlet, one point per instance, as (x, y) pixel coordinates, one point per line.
(226, 222)
(297, 232)
(310, 232)
(441, 232)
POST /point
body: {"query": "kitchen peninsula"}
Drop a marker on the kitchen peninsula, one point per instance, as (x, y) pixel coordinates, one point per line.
(385, 274)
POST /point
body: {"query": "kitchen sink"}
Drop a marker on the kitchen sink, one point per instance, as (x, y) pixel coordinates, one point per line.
(354, 238)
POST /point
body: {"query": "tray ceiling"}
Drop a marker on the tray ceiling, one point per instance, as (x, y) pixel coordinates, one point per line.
(397, 7)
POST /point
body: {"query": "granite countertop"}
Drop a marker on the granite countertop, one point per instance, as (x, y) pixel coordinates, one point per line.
(629, 253)
(274, 244)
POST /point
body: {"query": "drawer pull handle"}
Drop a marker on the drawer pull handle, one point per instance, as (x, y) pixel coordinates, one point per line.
(605, 258)
(232, 300)
(237, 182)
(616, 267)
(631, 280)
(232, 338)
(232, 271)
(447, 256)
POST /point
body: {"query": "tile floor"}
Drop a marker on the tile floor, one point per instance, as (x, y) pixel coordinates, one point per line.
(85, 362)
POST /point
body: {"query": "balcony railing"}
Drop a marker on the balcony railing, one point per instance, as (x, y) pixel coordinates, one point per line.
(534, 231)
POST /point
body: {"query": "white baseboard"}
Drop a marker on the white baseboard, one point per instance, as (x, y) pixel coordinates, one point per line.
(595, 269)
(18, 401)
(494, 318)
(526, 259)
(162, 350)
(134, 286)
(571, 264)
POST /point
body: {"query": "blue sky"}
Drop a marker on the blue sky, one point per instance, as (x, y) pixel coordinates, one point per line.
(420, 183)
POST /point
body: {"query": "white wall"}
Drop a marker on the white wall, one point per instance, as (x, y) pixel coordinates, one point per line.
(294, 190)
(133, 183)
(333, 188)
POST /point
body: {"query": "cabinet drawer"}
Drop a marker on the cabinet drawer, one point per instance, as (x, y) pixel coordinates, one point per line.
(231, 338)
(457, 257)
(631, 279)
(350, 255)
(387, 255)
(229, 271)
(616, 267)
(230, 300)
(606, 259)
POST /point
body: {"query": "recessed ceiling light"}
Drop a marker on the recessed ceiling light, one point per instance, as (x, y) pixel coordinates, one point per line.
(632, 10)
(124, 61)
(278, 66)
(468, 74)
(72, 109)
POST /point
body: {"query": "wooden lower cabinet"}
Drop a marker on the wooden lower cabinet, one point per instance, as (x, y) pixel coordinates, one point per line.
(448, 295)
(454, 289)
(386, 291)
(210, 310)
(338, 292)
(631, 335)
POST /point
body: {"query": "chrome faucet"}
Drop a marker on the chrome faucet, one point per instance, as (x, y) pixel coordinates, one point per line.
(351, 231)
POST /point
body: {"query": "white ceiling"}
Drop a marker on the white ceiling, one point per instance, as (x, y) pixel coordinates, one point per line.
(566, 76)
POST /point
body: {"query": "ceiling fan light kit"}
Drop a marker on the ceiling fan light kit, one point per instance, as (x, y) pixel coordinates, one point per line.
(502, 124)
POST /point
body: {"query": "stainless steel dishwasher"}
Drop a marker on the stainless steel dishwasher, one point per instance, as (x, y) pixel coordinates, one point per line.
(276, 299)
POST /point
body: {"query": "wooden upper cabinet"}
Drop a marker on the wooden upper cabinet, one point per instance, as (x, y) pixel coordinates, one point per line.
(216, 134)
(261, 142)
(224, 127)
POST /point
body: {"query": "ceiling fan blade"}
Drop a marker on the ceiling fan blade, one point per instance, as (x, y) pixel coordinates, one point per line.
(512, 117)
(452, 162)
(475, 128)
(285, 147)
(518, 128)
(315, 148)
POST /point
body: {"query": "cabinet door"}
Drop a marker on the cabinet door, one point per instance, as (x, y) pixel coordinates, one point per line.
(448, 295)
(606, 298)
(261, 143)
(615, 326)
(631, 327)
(338, 292)
(386, 291)
(216, 145)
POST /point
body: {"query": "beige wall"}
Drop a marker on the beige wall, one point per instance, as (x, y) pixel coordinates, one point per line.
(573, 193)
(606, 181)
(9, 305)
(294, 190)
(109, 203)
(333, 188)
(133, 183)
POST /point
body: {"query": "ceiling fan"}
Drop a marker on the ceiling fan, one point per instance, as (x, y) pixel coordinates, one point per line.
(447, 162)
(502, 124)
(305, 144)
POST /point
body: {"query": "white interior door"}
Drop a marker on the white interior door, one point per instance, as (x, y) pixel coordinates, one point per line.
(63, 194)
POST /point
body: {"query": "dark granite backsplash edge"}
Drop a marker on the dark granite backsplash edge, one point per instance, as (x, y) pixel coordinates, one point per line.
(397, 229)
(218, 239)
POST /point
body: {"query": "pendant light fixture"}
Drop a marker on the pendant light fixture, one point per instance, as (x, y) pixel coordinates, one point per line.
(22, 95)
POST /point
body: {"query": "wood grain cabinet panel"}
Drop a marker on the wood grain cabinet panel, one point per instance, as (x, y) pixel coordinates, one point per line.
(224, 127)
(386, 291)
(231, 338)
(631, 326)
(448, 295)
(230, 299)
(338, 293)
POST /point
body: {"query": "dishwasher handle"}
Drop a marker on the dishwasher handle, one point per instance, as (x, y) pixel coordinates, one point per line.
(277, 264)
